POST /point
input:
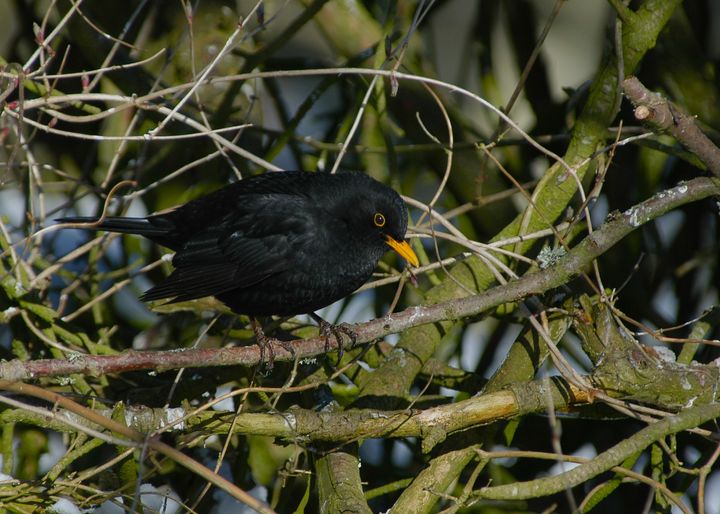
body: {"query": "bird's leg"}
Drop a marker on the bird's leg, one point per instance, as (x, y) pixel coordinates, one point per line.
(328, 329)
(264, 342)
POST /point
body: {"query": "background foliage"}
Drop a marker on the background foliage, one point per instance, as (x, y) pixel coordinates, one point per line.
(182, 97)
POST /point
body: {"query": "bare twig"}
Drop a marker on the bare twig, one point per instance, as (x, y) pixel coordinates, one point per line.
(662, 115)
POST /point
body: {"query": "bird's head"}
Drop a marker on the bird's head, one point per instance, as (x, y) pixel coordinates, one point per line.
(391, 225)
(381, 216)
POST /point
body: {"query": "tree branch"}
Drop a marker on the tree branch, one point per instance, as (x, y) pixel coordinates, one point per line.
(636, 443)
(661, 115)
(568, 267)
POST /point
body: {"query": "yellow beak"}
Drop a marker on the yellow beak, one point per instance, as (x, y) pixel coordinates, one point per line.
(403, 249)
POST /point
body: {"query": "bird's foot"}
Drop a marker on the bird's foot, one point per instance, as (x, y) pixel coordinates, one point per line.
(328, 329)
(266, 343)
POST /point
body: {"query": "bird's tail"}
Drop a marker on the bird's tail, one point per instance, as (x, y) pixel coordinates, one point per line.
(142, 226)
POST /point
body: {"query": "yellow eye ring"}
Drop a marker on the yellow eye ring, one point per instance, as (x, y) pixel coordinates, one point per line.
(379, 220)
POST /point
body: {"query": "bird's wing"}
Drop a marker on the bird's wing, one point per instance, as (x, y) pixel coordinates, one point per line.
(252, 242)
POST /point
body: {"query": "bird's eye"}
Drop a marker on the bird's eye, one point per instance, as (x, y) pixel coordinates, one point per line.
(379, 220)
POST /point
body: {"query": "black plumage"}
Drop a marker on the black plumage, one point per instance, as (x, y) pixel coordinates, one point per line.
(281, 243)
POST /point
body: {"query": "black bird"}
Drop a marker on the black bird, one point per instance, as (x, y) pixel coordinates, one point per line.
(281, 243)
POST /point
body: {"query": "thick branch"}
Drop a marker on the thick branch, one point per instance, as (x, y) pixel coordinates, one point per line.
(307, 426)
(339, 483)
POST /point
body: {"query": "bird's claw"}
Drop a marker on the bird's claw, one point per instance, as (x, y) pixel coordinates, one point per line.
(328, 329)
(265, 342)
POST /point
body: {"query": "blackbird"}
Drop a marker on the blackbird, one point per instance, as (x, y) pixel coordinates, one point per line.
(280, 243)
